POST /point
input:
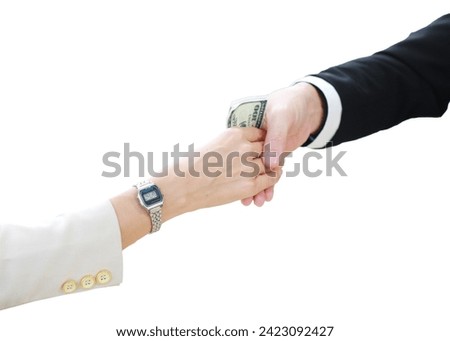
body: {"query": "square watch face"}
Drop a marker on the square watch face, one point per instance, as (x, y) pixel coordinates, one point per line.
(151, 195)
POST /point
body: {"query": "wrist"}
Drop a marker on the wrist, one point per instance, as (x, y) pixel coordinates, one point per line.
(315, 107)
(330, 113)
(134, 220)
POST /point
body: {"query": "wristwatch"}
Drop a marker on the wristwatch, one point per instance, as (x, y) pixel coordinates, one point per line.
(151, 198)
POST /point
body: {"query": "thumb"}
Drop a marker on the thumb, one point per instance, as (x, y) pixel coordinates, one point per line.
(275, 142)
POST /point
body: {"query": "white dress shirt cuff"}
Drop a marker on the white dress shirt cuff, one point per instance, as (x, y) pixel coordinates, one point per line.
(333, 115)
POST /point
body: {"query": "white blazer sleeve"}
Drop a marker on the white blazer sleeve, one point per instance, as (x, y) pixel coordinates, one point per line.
(74, 252)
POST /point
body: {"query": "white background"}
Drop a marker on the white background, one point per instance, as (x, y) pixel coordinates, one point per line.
(367, 254)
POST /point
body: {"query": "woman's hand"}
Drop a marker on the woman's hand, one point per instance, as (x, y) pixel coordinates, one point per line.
(227, 169)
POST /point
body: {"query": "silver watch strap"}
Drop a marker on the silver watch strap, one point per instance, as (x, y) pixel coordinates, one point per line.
(155, 216)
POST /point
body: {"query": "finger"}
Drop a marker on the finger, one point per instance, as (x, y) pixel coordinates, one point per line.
(267, 180)
(269, 193)
(260, 163)
(277, 131)
(257, 147)
(259, 199)
(253, 134)
(273, 149)
(252, 167)
(247, 201)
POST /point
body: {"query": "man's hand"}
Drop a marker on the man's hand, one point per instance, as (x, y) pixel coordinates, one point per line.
(292, 114)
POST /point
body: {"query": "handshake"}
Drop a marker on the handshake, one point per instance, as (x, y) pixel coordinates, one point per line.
(261, 129)
(274, 125)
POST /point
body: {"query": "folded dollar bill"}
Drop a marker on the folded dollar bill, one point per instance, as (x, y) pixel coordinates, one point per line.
(247, 112)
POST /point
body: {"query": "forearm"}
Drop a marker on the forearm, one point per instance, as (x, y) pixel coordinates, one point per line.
(409, 79)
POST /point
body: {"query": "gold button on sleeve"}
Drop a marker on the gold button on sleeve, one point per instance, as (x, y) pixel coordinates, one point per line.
(69, 286)
(103, 277)
(87, 282)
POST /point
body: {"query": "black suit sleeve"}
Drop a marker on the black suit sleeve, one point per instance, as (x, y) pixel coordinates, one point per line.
(409, 79)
